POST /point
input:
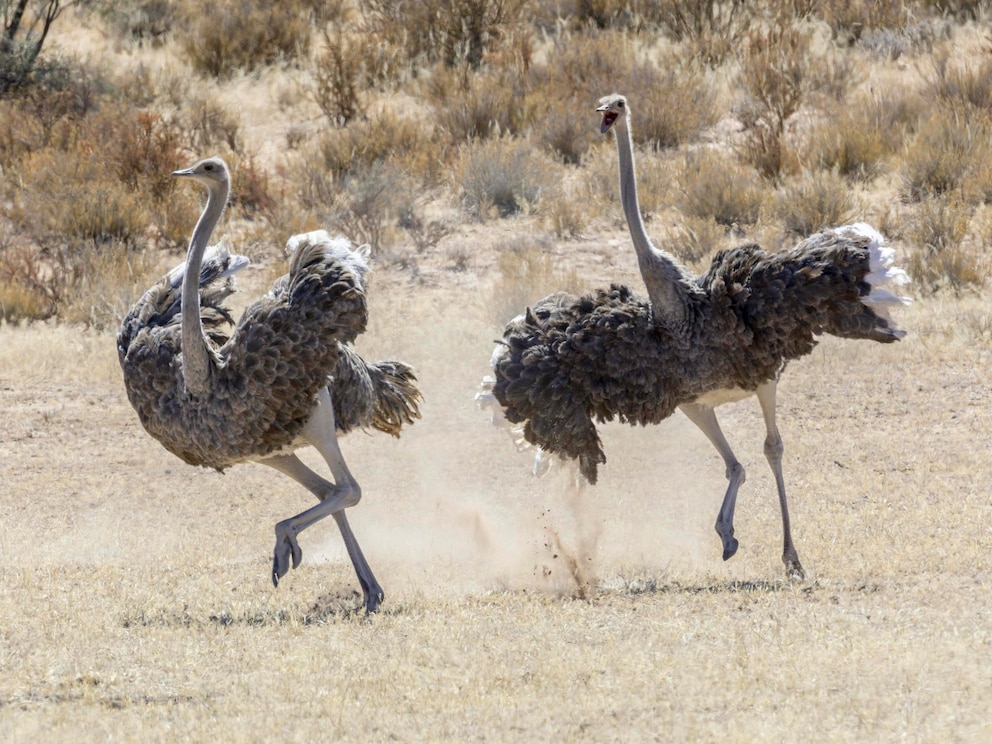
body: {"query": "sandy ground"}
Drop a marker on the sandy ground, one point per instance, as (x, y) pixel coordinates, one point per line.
(136, 601)
(119, 561)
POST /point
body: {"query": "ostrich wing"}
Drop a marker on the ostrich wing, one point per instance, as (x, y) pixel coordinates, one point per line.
(286, 345)
(159, 307)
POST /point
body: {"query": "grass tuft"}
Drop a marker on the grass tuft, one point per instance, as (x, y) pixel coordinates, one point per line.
(503, 177)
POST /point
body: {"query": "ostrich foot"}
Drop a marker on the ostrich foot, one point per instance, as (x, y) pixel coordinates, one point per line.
(373, 598)
(793, 568)
(730, 543)
(286, 547)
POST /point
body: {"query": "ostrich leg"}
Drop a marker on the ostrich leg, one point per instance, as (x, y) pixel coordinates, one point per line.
(773, 452)
(705, 418)
(334, 499)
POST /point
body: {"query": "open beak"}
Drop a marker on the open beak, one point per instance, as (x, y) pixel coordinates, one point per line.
(609, 117)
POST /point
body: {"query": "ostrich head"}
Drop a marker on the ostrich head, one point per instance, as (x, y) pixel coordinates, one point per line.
(209, 172)
(613, 107)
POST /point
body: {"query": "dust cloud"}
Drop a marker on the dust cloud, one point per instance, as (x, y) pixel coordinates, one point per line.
(454, 505)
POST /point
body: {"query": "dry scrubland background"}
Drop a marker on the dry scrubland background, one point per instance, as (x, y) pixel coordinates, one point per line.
(135, 602)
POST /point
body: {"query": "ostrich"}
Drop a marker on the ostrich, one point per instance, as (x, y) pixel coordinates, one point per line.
(695, 344)
(283, 378)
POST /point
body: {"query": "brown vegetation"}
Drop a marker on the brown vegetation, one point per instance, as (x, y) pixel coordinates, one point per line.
(464, 108)
(459, 139)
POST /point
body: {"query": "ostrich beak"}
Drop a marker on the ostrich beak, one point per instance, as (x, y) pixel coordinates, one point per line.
(609, 117)
(183, 172)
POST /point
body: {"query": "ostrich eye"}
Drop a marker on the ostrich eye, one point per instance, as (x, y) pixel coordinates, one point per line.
(208, 166)
(619, 104)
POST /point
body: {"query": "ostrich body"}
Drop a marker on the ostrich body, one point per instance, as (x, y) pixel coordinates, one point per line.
(283, 378)
(696, 343)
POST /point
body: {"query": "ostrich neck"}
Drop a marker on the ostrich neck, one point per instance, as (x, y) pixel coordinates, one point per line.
(196, 354)
(666, 281)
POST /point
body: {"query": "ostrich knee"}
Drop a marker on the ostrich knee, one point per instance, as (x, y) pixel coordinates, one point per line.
(347, 494)
(774, 448)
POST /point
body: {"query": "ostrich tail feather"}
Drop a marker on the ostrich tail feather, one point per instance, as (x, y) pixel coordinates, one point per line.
(397, 398)
(883, 277)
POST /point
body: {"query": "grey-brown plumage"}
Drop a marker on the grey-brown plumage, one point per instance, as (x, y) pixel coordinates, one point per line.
(216, 393)
(570, 362)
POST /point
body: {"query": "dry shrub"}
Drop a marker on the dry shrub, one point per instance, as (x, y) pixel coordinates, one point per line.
(503, 177)
(384, 137)
(695, 239)
(564, 89)
(487, 104)
(964, 86)
(673, 104)
(656, 176)
(71, 195)
(568, 208)
(450, 32)
(837, 72)
(849, 20)
(962, 10)
(111, 277)
(527, 272)
(337, 77)
(206, 124)
(945, 152)
(29, 288)
(369, 205)
(710, 30)
(84, 203)
(243, 35)
(775, 73)
(812, 202)
(143, 21)
(858, 140)
(938, 230)
(91, 283)
(562, 130)
(424, 233)
(250, 187)
(36, 116)
(715, 185)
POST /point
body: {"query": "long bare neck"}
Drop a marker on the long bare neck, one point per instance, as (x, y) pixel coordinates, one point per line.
(666, 281)
(196, 354)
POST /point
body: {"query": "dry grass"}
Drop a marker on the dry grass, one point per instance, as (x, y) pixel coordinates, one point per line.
(137, 603)
(136, 600)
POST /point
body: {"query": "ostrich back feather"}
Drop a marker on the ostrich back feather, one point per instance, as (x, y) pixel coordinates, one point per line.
(571, 361)
(265, 377)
